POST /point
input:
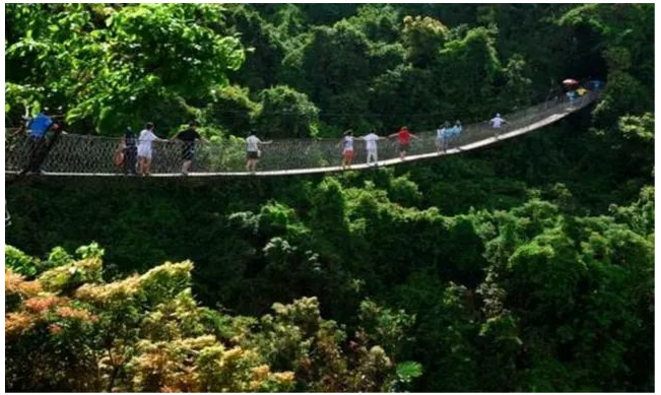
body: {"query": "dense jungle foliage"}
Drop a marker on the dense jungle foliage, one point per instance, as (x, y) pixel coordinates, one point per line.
(527, 266)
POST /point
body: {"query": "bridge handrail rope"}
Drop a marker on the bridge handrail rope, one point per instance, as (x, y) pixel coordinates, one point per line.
(80, 155)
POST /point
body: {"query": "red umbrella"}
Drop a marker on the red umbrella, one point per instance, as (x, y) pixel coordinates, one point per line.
(570, 81)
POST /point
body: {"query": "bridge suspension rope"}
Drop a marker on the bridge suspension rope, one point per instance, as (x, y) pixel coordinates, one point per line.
(80, 155)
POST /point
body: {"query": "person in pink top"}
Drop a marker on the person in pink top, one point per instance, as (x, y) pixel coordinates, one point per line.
(404, 139)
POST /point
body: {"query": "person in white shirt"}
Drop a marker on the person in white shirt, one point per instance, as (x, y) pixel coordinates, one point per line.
(371, 146)
(347, 149)
(497, 121)
(147, 137)
(253, 151)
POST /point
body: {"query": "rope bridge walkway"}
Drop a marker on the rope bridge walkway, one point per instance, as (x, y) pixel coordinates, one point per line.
(79, 155)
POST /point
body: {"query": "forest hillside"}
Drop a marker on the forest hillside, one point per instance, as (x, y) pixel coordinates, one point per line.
(525, 266)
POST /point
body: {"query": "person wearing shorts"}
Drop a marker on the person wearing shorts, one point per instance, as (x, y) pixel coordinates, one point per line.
(404, 137)
(147, 137)
(252, 151)
(347, 149)
(188, 137)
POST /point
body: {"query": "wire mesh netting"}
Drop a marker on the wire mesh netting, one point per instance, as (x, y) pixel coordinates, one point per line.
(88, 155)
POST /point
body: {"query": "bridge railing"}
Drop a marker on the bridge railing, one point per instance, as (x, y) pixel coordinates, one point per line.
(94, 154)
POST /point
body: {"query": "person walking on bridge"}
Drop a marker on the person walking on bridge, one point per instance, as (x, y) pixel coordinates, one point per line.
(253, 151)
(497, 121)
(571, 94)
(37, 129)
(40, 144)
(453, 133)
(188, 137)
(371, 145)
(440, 136)
(404, 137)
(130, 149)
(347, 149)
(147, 137)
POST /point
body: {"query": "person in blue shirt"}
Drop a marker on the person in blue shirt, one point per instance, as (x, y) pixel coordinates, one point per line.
(441, 136)
(571, 95)
(595, 84)
(39, 125)
(457, 129)
(451, 134)
(40, 146)
(448, 137)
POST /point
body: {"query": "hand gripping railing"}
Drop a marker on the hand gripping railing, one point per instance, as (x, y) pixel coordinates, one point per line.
(79, 155)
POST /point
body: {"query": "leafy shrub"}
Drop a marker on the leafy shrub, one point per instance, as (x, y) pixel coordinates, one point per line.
(286, 113)
(19, 262)
(70, 331)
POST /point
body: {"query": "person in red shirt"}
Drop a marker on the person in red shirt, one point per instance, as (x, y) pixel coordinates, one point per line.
(404, 138)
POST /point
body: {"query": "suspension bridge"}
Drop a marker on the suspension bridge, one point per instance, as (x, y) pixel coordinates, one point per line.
(73, 155)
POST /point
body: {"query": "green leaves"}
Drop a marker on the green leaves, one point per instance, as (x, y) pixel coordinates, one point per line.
(407, 371)
(285, 112)
(100, 57)
(527, 267)
(423, 37)
(641, 128)
(19, 262)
